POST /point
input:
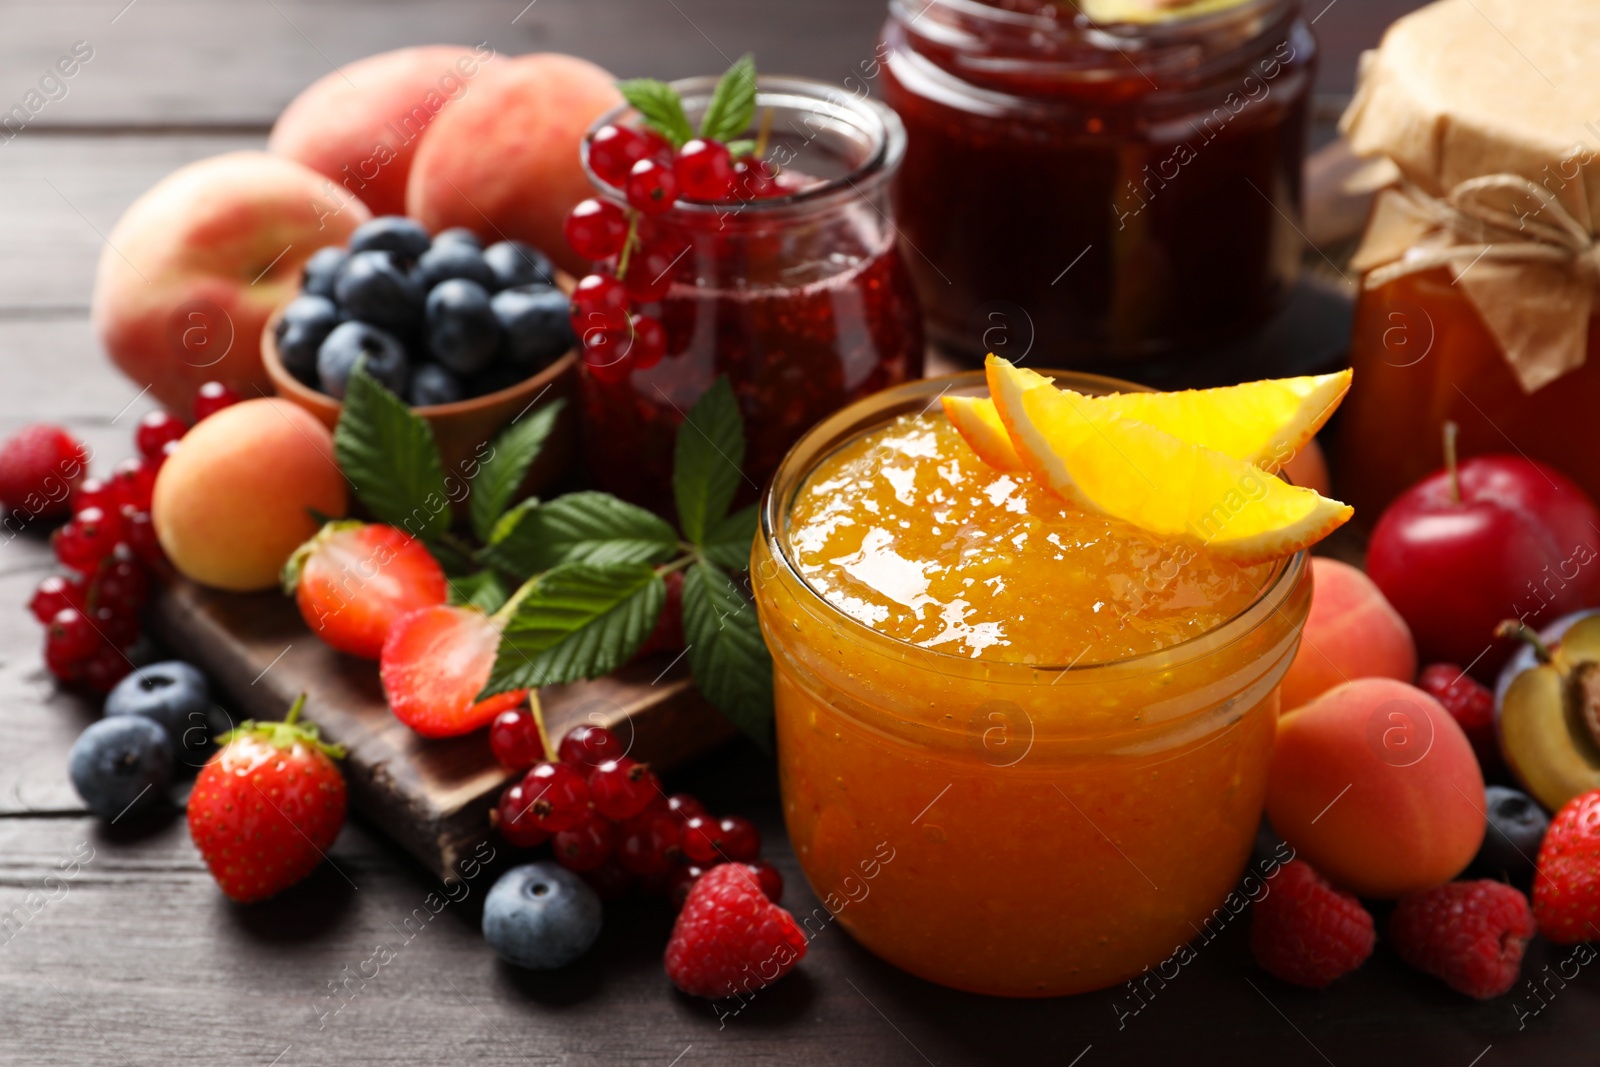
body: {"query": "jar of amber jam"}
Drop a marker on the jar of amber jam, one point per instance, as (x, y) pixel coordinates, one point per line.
(1109, 191)
(795, 288)
(1023, 749)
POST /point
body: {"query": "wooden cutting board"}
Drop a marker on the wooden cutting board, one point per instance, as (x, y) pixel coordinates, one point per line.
(431, 796)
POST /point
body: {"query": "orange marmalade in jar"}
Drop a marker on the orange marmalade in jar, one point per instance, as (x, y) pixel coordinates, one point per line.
(1023, 748)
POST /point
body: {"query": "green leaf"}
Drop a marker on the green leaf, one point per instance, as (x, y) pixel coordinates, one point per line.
(582, 528)
(500, 475)
(658, 103)
(484, 590)
(733, 102)
(388, 453)
(741, 148)
(728, 545)
(727, 655)
(707, 461)
(508, 522)
(580, 620)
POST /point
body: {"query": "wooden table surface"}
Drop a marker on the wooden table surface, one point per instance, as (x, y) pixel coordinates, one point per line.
(138, 959)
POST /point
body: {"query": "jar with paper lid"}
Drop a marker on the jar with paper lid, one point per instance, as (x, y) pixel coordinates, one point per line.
(1479, 263)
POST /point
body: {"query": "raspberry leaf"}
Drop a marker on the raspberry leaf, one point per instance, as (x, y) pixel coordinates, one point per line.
(500, 474)
(733, 102)
(484, 590)
(727, 655)
(728, 545)
(580, 620)
(707, 461)
(661, 108)
(583, 527)
(388, 454)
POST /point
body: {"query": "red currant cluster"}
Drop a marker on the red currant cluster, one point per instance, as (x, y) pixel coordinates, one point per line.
(616, 338)
(607, 818)
(110, 551)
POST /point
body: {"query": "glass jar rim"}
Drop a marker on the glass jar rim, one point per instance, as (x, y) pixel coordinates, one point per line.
(875, 411)
(878, 121)
(1164, 32)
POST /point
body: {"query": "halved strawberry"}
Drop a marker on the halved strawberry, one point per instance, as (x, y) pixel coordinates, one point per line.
(435, 662)
(355, 580)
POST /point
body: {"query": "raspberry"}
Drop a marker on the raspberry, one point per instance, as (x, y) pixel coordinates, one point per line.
(39, 466)
(1469, 703)
(1566, 892)
(1307, 932)
(729, 938)
(1471, 934)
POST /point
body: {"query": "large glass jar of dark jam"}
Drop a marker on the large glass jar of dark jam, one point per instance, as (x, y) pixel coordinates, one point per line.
(1117, 191)
(794, 287)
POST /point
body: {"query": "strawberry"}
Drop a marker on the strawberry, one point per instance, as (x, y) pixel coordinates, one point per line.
(267, 806)
(434, 664)
(729, 938)
(1566, 891)
(39, 466)
(355, 580)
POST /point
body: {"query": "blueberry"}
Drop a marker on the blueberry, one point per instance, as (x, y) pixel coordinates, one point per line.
(350, 341)
(500, 375)
(432, 384)
(404, 237)
(463, 333)
(321, 269)
(1511, 843)
(301, 329)
(541, 916)
(453, 259)
(458, 234)
(515, 263)
(118, 761)
(373, 287)
(174, 696)
(537, 324)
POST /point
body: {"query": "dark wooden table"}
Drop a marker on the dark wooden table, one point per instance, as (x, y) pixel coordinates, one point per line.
(137, 959)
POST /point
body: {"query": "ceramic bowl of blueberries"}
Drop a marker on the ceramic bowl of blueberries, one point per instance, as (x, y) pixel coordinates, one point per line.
(467, 333)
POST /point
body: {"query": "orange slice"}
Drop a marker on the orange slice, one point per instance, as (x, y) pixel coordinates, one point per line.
(977, 421)
(1118, 466)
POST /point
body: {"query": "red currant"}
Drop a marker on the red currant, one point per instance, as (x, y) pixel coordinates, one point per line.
(649, 843)
(586, 845)
(682, 880)
(609, 880)
(155, 430)
(55, 593)
(89, 538)
(652, 187)
(622, 788)
(701, 841)
(596, 228)
(589, 746)
(741, 841)
(685, 807)
(72, 638)
(61, 667)
(122, 585)
(139, 534)
(704, 170)
(753, 179)
(649, 342)
(96, 493)
(513, 817)
(135, 480)
(613, 150)
(559, 794)
(608, 354)
(599, 300)
(105, 668)
(120, 628)
(211, 398)
(770, 878)
(650, 270)
(514, 739)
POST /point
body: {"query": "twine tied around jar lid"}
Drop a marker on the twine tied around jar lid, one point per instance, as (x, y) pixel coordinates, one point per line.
(1527, 265)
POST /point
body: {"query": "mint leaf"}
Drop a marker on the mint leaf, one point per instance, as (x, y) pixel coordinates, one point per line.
(581, 620)
(500, 475)
(484, 590)
(727, 655)
(582, 528)
(733, 102)
(658, 103)
(706, 462)
(728, 545)
(388, 453)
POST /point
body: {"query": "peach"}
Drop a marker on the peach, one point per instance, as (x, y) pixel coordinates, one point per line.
(1376, 786)
(1352, 632)
(503, 161)
(193, 269)
(361, 124)
(235, 498)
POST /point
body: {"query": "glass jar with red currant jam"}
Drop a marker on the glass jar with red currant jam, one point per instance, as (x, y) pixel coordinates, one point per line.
(792, 284)
(1113, 189)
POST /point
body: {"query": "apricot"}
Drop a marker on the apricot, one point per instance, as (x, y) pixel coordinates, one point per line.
(1376, 786)
(1352, 632)
(235, 499)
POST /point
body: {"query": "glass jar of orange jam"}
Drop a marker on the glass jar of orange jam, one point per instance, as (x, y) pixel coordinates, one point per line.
(1023, 749)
